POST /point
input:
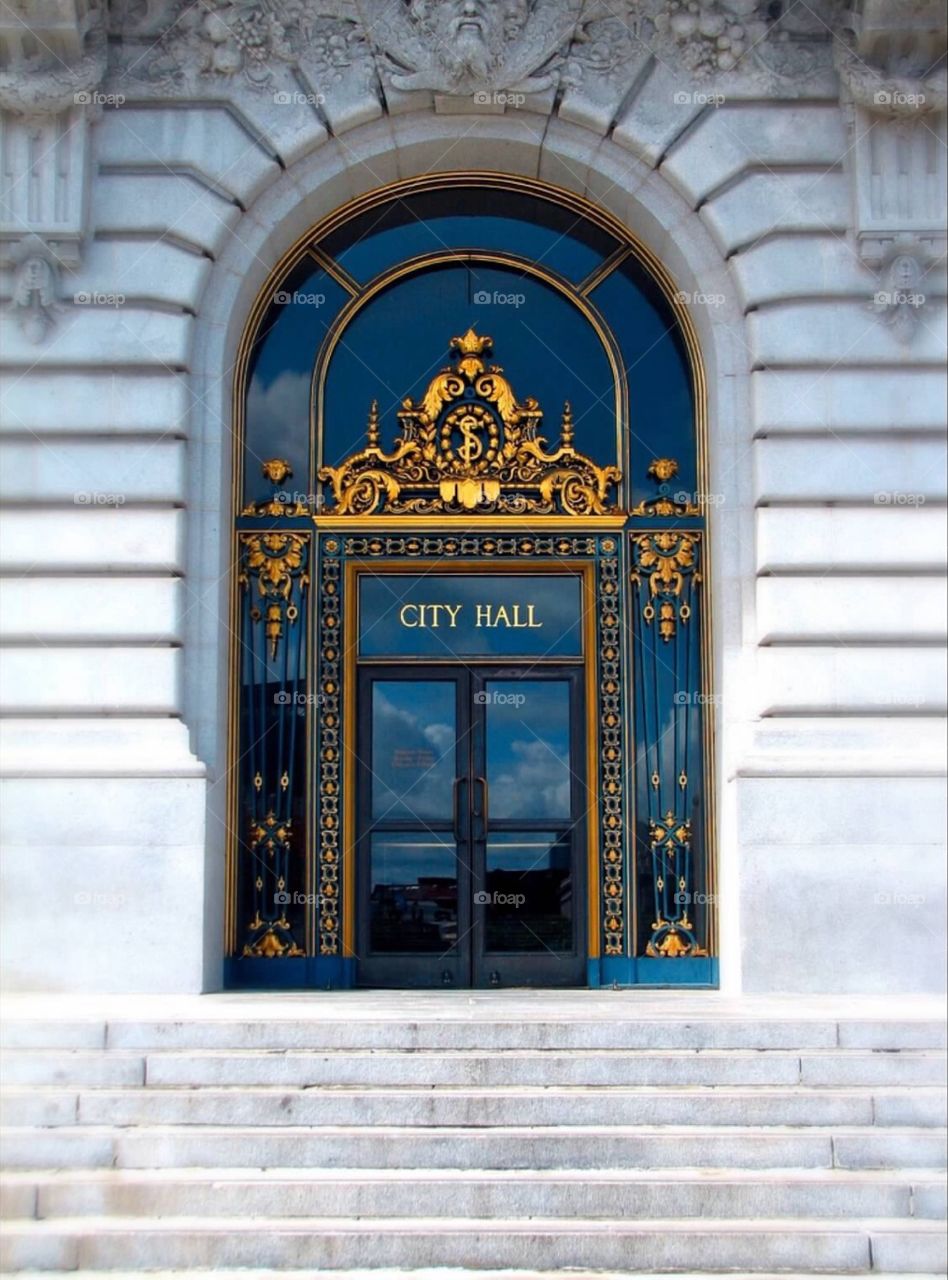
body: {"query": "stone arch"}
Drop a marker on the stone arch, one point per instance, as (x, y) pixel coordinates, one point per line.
(370, 157)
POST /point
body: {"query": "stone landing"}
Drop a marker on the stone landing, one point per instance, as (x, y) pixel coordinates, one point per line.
(506, 1134)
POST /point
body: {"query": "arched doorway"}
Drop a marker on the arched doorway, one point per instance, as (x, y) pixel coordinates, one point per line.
(470, 694)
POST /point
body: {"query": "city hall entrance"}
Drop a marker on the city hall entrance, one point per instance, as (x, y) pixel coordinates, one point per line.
(471, 725)
(471, 790)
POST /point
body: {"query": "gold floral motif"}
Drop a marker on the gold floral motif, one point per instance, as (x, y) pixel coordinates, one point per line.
(673, 943)
(670, 833)
(666, 559)
(270, 946)
(275, 561)
(271, 834)
(468, 445)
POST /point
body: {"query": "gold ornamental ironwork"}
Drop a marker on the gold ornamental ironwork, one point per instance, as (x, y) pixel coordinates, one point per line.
(468, 445)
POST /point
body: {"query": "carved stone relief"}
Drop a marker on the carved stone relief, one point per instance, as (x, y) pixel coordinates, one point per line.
(891, 63)
(53, 60)
(465, 48)
(343, 58)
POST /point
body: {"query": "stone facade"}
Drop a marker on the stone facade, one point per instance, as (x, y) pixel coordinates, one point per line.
(790, 173)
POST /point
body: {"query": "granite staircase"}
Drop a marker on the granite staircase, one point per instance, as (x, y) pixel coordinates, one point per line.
(373, 1135)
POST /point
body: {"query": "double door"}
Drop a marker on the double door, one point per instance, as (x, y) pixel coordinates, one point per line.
(471, 804)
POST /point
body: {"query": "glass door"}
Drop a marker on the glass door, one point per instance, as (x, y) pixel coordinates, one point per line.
(528, 828)
(413, 850)
(471, 803)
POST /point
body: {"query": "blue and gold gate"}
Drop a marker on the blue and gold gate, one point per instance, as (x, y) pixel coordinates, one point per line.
(455, 475)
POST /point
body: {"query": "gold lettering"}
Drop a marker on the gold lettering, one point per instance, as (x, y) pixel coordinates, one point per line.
(483, 616)
(453, 611)
(532, 622)
(403, 615)
(501, 617)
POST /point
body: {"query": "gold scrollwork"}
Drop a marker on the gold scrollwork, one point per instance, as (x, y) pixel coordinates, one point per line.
(275, 560)
(269, 840)
(670, 836)
(468, 445)
(667, 559)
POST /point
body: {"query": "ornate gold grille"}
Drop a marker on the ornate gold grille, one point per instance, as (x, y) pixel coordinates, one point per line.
(470, 446)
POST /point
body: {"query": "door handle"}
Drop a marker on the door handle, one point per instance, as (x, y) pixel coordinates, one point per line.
(455, 809)
(485, 797)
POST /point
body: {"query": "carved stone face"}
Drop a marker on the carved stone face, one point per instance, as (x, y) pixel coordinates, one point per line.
(469, 35)
(904, 273)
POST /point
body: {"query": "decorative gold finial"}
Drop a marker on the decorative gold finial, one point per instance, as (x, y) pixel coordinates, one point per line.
(568, 429)
(372, 431)
(472, 344)
(471, 347)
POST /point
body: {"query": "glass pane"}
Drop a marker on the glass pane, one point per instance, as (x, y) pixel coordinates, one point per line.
(528, 749)
(414, 734)
(661, 406)
(541, 339)
(414, 899)
(278, 390)
(472, 218)
(528, 903)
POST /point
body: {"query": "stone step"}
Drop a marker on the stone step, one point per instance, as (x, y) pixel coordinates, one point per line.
(455, 1273)
(590, 1193)
(465, 1107)
(535, 1147)
(132, 1244)
(816, 1067)
(335, 1026)
(712, 1033)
